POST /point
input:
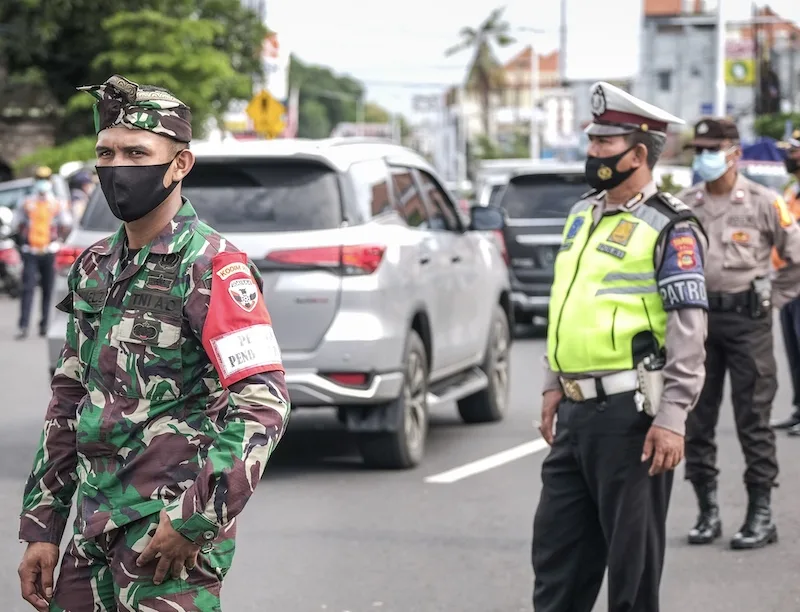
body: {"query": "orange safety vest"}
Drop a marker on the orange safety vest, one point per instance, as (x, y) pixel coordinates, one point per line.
(792, 197)
(41, 226)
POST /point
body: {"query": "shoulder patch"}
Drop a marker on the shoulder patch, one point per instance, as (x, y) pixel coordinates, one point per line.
(681, 278)
(785, 217)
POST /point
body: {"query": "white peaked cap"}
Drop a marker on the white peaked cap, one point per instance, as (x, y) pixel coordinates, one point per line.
(616, 112)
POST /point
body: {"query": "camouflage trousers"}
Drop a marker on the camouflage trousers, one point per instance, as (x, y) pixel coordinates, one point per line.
(100, 574)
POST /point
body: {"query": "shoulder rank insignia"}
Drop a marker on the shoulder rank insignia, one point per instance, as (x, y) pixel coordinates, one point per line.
(674, 203)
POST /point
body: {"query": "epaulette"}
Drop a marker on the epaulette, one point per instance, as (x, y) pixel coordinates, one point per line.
(672, 202)
(589, 194)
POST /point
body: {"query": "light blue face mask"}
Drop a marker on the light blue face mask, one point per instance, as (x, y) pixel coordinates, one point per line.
(42, 187)
(710, 165)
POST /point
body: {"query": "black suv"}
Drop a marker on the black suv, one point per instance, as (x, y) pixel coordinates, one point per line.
(537, 203)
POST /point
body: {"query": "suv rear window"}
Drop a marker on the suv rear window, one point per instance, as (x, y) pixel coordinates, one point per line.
(543, 195)
(238, 196)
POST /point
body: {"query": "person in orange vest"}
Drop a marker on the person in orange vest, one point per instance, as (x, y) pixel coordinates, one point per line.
(41, 221)
(790, 314)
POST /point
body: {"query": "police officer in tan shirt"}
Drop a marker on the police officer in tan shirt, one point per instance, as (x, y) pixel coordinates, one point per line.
(743, 221)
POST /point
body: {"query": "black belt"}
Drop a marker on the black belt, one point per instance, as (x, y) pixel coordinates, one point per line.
(728, 302)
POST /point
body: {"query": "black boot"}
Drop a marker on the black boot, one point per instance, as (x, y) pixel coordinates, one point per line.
(791, 422)
(709, 525)
(758, 529)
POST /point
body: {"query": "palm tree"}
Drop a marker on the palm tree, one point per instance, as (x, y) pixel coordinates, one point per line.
(485, 72)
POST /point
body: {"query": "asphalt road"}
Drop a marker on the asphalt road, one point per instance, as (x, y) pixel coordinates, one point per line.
(323, 534)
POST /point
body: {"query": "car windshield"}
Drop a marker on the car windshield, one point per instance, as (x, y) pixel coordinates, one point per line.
(542, 195)
(237, 196)
(10, 197)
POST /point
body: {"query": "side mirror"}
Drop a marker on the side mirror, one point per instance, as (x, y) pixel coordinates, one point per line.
(486, 218)
(6, 216)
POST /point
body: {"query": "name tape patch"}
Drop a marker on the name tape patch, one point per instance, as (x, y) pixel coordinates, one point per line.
(232, 269)
(607, 248)
(251, 347)
(156, 302)
(684, 291)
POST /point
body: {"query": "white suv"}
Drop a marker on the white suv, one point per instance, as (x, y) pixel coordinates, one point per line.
(383, 301)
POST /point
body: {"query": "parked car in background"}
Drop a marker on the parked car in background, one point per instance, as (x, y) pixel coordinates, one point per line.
(385, 304)
(768, 173)
(491, 190)
(537, 203)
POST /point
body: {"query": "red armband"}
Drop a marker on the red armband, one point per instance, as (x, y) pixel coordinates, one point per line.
(238, 335)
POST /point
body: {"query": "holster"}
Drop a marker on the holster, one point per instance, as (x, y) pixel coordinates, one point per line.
(760, 298)
(651, 386)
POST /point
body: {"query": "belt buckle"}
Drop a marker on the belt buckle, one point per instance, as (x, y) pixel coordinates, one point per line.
(572, 389)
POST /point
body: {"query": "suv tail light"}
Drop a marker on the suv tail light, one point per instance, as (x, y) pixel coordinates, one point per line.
(353, 260)
(501, 244)
(65, 258)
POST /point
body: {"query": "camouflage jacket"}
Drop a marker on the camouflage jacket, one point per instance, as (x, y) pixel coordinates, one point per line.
(169, 392)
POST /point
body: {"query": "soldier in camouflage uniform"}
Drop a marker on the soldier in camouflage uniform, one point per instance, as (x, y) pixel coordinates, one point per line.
(169, 396)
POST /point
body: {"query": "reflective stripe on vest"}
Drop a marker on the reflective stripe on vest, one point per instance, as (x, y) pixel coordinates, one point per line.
(605, 291)
(41, 226)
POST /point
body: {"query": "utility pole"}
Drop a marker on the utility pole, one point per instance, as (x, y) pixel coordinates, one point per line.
(562, 44)
(720, 103)
(535, 145)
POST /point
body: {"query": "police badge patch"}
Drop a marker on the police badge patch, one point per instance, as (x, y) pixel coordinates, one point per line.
(244, 292)
(598, 102)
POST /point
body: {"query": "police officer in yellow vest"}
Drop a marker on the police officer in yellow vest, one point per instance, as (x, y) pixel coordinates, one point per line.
(625, 353)
(41, 221)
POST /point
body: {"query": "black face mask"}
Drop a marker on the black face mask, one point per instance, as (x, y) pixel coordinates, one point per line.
(792, 165)
(602, 173)
(134, 191)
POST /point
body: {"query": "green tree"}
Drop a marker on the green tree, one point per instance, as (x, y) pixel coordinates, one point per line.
(338, 95)
(52, 44)
(774, 126)
(485, 72)
(327, 99)
(174, 53)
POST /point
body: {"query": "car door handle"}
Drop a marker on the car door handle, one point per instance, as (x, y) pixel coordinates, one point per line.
(455, 258)
(424, 259)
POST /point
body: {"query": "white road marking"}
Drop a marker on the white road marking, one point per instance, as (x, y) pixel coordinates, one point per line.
(488, 463)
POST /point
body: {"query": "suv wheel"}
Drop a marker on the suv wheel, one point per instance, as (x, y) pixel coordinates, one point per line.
(490, 404)
(404, 447)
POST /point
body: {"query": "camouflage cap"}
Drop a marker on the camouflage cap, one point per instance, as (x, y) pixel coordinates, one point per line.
(121, 102)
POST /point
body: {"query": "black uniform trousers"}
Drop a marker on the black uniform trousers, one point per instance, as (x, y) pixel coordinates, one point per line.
(790, 326)
(37, 270)
(599, 509)
(744, 347)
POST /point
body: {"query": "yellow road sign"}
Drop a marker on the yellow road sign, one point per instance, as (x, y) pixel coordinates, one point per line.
(267, 114)
(740, 72)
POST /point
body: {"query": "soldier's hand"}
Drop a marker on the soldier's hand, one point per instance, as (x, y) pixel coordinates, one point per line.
(173, 551)
(665, 447)
(550, 401)
(36, 574)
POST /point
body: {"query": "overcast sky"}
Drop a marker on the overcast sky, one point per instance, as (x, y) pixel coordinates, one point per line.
(397, 51)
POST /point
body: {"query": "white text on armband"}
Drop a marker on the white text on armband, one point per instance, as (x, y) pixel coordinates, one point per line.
(683, 291)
